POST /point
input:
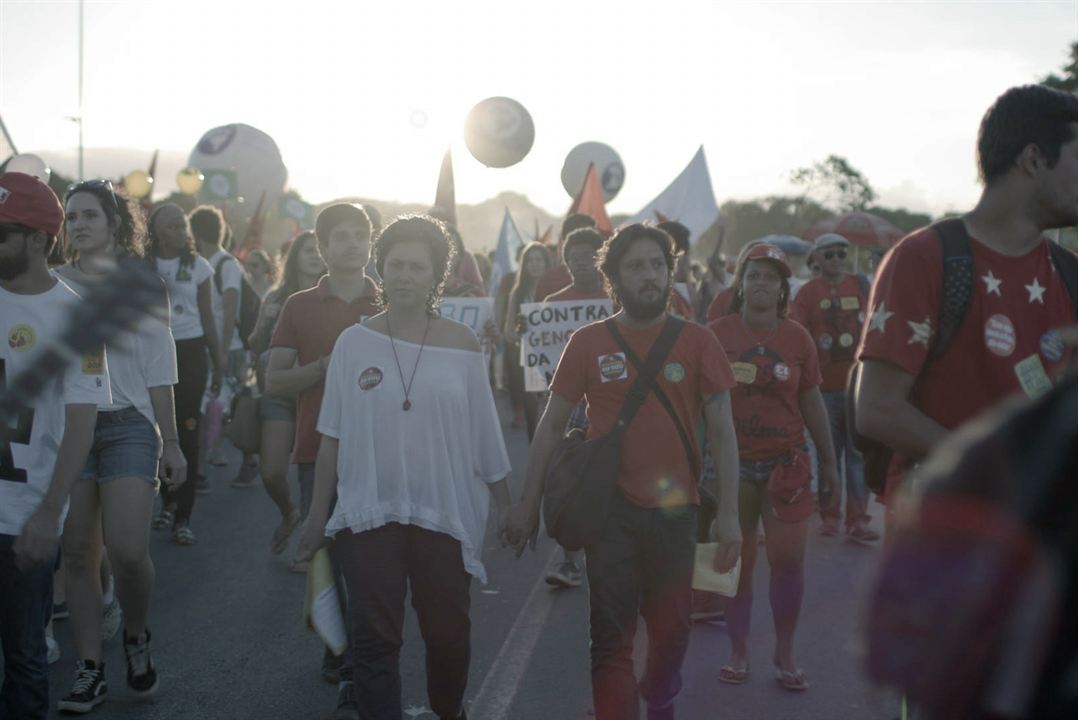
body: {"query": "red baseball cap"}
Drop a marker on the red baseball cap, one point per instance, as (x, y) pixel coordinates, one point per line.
(766, 251)
(25, 200)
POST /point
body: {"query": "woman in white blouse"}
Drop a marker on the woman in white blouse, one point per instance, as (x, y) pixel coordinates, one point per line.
(412, 445)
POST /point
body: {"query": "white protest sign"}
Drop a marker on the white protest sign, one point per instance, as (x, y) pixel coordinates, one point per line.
(475, 312)
(549, 326)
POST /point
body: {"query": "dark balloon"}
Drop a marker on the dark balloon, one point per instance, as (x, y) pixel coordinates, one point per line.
(499, 132)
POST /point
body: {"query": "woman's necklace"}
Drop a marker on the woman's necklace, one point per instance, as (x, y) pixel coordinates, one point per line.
(407, 404)
(760, 342)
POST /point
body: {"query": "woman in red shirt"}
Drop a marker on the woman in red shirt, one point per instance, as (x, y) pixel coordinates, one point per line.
(777, 396)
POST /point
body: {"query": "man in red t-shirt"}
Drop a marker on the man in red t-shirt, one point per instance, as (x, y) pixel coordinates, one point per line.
(831, 306)
(1009, 342)
(307, 330)
(558, 276)
(643, 564)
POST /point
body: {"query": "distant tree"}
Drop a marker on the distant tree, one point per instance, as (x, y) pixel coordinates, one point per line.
(776, 215)
(901, 218)
(1068, 81)
(835, 183)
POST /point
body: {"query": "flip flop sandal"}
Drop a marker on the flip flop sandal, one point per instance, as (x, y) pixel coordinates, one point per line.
(183, 535)
(733, 676)
(792, 681)
(163, 520)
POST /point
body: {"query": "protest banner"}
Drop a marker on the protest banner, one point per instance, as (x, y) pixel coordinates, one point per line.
(549, 326)
(476, 313)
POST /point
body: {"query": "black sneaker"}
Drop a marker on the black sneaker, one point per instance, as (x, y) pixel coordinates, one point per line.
(347, 707)
(89, 691)
(141, 673)
(60, 611)
(331, 667)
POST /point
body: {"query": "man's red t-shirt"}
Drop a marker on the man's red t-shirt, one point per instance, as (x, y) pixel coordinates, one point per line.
(310, 322)
(1009, 342)
(833, 315)
(654, 470)
(679, 306)
(720, 305)
(552, 281)
(771, 372)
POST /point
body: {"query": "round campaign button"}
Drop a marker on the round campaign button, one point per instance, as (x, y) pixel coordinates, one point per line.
(999, 335)
(370, 378)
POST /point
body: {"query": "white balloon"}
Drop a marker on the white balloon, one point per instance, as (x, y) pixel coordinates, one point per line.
(31, 165)
(607, 163)
(255, 159)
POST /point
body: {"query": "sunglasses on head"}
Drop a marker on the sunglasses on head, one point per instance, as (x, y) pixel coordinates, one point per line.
(92, 186)
(831, 254)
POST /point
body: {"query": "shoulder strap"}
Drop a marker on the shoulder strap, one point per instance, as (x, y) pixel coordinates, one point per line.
(659, 394)
(1067, 266)
(866, 285)
(217, 274)
(645, 376)
(958, 282)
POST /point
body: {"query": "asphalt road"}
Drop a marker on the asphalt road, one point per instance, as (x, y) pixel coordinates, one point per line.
(228, 639)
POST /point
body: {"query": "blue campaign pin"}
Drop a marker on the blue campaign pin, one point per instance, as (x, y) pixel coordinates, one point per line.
(1052, 346)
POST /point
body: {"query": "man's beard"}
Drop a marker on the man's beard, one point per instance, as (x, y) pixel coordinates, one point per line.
(13, 267)
(640, 309)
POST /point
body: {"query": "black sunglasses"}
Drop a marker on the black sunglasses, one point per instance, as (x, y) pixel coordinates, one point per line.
(94, 185)
(829, 254)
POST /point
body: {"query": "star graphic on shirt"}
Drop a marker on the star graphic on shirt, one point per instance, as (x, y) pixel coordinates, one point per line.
(1036, 292)
(921, 332)
(993, 283)
(879, 318)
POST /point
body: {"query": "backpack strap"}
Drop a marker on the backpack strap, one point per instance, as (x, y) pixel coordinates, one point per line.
(1066, 264)
(645, 378)
(660, 395)
(958, 282)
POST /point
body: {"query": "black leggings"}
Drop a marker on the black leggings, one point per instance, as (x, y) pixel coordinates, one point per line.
(192, 363)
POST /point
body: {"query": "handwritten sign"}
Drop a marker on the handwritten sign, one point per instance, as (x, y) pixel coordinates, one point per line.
(475, 312)
(549, 327)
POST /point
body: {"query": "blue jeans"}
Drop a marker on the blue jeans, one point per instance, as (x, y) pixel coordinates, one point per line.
(25, 608)
(846, 458)
(643, 565)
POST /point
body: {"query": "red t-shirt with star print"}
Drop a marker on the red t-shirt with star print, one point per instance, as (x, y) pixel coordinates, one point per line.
(1009, 342)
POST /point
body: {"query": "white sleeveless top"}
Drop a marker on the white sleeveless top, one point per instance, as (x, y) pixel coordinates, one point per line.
(427, 466)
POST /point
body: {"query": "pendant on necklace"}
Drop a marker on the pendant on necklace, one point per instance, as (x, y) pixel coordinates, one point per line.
(760, 349)
(407, 405)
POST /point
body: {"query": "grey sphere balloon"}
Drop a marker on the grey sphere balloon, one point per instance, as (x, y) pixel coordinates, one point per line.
(499, 132)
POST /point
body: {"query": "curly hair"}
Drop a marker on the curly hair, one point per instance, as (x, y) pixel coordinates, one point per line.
(422, 230)
(614, 249)
(187, 256)
(783, 309)
(121, 211)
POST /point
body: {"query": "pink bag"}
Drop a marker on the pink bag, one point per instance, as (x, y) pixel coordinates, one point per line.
(214, 420)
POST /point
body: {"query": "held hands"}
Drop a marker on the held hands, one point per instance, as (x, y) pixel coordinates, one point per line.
(727, 533)
(523, 528)
(172, 470)
(38, 542)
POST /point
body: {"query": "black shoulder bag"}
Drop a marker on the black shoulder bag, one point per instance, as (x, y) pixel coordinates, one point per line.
(582, 474)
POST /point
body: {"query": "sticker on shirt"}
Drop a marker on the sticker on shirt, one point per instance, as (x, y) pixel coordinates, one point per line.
(674, 372)
(21, 338)
(183, 272)
(744, 372)
(782, 372)
(93, 363)
(1032, 377)
(999, 335)
(612, 367)
(826, 341)
(177, 310)
(825, 304)
(1052, 346)
(851, 302)
(370, 378)
(845, 340)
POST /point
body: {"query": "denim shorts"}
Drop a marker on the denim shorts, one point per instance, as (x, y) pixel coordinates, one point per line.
(271, 407)
(125, 445)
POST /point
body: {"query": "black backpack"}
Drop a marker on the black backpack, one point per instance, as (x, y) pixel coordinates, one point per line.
(249, 305)
(958, 283)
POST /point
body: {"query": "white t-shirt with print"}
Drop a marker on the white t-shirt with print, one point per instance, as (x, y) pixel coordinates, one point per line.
(29, 323)
(231, 279)
(138, 361)
(183, 282)
(428, 466)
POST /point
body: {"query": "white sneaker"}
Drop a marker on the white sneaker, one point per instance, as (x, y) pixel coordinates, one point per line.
(111, 619)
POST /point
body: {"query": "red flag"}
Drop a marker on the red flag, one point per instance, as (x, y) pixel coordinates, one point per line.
(590, 201)
(445, 198)
(660, 218)
(253, 237)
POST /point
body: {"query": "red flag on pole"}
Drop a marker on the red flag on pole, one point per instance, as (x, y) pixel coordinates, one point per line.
(590, 201)
(445, 198)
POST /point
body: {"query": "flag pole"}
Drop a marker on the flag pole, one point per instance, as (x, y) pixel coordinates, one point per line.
(81, 176)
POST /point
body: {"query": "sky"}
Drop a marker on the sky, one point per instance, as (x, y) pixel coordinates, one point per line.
(363, 98)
